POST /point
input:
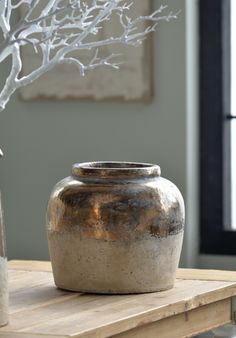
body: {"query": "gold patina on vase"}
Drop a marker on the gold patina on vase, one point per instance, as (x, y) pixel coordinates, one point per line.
(115, 227)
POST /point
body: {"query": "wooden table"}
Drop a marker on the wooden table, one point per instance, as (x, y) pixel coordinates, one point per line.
(200, 301)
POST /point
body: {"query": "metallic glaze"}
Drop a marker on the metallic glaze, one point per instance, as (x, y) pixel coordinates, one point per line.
(101, 205)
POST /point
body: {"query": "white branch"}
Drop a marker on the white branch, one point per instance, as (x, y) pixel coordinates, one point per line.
(64, 26)
(4, 24)
(12, 82)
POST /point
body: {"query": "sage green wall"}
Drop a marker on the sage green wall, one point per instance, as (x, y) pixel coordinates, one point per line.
(41, 140)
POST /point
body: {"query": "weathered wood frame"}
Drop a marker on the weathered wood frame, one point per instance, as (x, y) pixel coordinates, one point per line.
(53, 86)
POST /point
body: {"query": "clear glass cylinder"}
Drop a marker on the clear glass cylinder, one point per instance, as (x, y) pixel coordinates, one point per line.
(3, 273)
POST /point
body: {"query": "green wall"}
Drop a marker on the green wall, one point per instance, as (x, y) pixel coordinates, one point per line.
(41, 139)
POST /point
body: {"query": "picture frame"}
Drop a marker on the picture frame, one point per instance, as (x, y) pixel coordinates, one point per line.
(132, 82)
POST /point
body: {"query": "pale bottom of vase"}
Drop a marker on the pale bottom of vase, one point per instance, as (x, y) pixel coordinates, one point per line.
(98, 266)
(3, 292)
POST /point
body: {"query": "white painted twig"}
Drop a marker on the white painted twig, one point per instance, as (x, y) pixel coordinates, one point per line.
(55, 28)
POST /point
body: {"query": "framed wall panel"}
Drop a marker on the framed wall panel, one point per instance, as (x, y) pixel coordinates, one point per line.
(132, 82)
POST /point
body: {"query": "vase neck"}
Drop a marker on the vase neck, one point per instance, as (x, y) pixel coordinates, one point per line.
(115, 170)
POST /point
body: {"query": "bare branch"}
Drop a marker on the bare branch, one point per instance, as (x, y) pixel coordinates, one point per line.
(56, 28)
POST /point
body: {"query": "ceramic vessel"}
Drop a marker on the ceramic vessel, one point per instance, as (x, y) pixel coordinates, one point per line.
(115, 227)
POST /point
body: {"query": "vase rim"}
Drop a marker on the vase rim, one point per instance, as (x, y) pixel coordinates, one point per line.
(115, 170)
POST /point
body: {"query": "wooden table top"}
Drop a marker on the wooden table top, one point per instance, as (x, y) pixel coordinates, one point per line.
(38, 308)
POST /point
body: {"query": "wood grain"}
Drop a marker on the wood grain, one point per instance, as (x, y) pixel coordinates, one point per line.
(209, 275)
(185, 325)
(193, 274)
(30, 265)
(38, 308)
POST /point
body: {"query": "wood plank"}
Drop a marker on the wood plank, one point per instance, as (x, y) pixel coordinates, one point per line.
(110, 315)
(39, 309)
(33, 289)
(185, 324)
(30, 265)
(193, 274)
(197, 274)
(27, 335)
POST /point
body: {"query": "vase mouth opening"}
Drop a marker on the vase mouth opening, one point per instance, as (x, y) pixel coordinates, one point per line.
(115, 170)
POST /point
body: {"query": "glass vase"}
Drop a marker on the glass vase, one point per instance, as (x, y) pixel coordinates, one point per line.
(3, 273)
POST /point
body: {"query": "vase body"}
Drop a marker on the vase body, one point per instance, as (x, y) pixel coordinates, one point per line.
(115, 227)
(3, 273)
